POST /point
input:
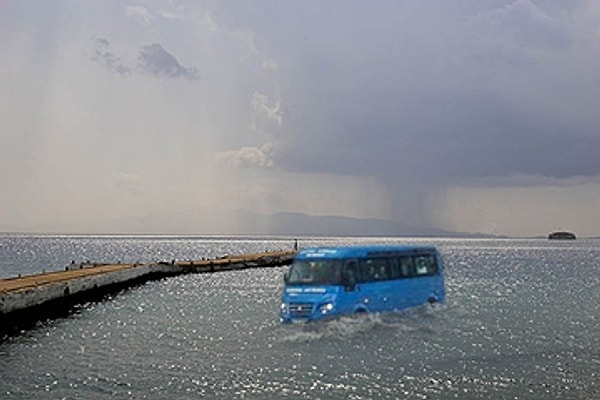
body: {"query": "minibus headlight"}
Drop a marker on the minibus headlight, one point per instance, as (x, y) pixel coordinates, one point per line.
(284, 308)
(325, 308)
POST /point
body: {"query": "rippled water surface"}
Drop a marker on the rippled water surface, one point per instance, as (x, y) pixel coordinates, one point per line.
(522, 321)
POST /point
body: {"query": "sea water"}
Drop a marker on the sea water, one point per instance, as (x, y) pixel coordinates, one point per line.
(521, 321)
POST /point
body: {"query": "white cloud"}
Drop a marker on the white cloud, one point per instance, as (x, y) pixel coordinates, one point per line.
(271, 109)
(203, 20)
(248, 157)
(139, 14)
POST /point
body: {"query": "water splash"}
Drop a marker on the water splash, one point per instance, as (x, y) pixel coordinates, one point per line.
(399, 322)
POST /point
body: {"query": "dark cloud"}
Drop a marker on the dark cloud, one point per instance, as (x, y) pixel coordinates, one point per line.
(104, 56)
(443, 137)
(423, 91)
(155, 60)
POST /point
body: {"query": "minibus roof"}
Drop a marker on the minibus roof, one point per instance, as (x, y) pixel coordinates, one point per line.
(362, 251)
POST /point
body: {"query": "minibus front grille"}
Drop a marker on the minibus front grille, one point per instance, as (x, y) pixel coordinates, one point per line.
(301, 310)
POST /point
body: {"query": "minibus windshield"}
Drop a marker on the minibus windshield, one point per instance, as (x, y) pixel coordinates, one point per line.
(315, 272)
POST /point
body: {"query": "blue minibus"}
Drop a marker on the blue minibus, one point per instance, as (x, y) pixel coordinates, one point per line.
(324, 282)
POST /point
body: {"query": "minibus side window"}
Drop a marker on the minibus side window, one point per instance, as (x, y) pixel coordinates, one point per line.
(433, 265)
(422, 265)
(350, 274)
(406, 267)
(375, 269)
(395, 268)
(426, 265)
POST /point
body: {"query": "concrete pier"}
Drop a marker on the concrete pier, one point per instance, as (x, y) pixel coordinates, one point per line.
(34, 297)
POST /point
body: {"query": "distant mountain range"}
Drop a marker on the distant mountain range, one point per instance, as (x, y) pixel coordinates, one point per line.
(209, 222)
(303, 224)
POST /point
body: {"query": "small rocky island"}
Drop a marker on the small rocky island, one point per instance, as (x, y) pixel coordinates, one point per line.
(562, 235)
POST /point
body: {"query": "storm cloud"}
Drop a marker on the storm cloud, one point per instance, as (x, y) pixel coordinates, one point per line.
(445, 92)
(446, 136)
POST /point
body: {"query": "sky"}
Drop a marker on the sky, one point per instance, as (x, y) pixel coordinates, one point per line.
(172, 116)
